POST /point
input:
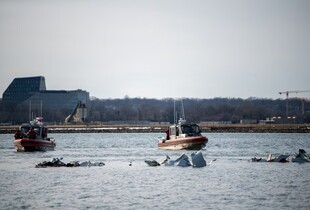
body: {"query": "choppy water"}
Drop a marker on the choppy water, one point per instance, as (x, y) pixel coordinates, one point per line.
(231, 182)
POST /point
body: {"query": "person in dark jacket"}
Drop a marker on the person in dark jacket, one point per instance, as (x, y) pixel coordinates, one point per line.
(167, 134)
(32, 134)
(18, 134)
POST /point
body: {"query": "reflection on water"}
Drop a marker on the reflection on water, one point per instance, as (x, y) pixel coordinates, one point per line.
(229, 182)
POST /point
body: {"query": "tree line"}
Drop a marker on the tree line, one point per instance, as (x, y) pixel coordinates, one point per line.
(162, 110)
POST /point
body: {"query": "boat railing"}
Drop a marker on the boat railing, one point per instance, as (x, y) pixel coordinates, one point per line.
(183, 135)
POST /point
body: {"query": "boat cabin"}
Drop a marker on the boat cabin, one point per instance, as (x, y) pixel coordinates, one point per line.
(39, 131)
(182, 130)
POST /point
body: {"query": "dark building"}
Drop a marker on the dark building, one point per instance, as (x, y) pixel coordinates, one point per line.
(31, 91)
(21, 89)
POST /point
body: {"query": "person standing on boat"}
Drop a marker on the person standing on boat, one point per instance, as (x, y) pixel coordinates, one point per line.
(167, 134)
(44, 133)
(31, 134)
(18, 134)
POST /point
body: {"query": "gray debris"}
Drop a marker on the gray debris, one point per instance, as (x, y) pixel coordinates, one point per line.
(152, 162)
(182, 161)
(56, 162)
(301, 157)
(198, 160)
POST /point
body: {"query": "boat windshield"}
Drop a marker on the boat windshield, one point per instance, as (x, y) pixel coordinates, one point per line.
(25, 129)
(191, 130)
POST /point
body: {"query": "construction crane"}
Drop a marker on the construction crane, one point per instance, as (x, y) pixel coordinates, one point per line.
(293, 91)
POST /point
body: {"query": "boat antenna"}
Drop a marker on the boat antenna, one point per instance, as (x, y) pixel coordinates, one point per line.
(182, 110)
(29, 110)
(174, 115)
(41, 115)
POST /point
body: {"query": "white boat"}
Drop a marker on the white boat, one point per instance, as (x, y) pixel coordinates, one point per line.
(183, 136)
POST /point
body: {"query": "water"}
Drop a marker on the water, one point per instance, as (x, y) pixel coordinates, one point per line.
(230, 182)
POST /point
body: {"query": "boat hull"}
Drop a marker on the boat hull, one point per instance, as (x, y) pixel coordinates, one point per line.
(31, 145)
(187, 143)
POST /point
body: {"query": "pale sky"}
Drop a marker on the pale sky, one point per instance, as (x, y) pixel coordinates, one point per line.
(158, 48)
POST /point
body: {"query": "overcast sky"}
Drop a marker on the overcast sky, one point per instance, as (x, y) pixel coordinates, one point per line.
(159, 48)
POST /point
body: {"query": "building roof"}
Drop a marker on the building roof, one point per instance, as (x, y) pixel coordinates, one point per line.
(32, 90)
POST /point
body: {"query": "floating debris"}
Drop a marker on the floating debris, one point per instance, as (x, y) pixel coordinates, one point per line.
(271, 158)
(152, 162)
(56, 162)
(301, 157)
(280, 158)
(182, 161)
(255, 159)
(212, 161)
(198, 160)
(156, 163)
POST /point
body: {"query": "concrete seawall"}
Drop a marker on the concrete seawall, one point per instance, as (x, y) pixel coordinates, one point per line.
(233, 128)
(257, 128)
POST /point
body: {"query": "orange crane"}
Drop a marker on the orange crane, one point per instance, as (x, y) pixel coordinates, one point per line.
(293, 91)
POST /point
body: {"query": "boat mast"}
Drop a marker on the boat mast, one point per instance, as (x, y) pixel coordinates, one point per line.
(41, 110)
(182, 110)
(174, 116)
(29, 110)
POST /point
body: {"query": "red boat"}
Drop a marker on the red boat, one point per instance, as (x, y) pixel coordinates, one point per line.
(183, 136)
(33, 137)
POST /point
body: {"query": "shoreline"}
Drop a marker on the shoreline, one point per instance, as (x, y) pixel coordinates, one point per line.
(231, 128)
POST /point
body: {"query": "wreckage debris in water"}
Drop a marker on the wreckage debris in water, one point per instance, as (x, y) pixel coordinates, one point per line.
(271, 158)
(182, 161)
(301, 157)
(56, 162)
